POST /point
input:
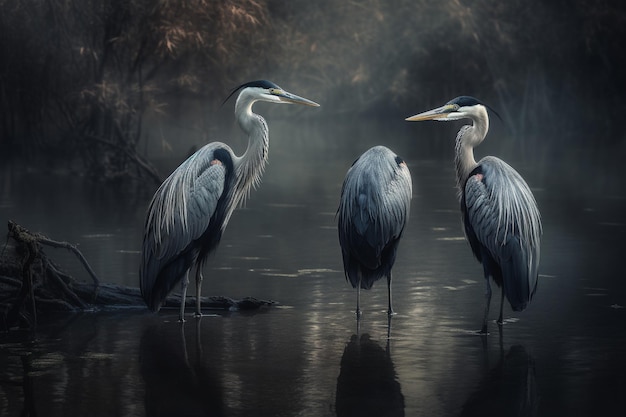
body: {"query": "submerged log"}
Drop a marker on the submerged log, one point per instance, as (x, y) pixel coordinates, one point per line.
(114, 295)
(31, 283)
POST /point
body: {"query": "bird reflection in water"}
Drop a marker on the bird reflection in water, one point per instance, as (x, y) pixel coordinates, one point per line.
(367, 384)
(178, 383)
(509, 389)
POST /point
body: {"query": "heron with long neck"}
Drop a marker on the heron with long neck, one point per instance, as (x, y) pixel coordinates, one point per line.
(500, 215)
(192, 207)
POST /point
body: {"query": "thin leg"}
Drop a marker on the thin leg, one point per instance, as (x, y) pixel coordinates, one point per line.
(390, 311)
(198, 290)
(183, 296)
(500, 321)
(487, 303)
(358, 299)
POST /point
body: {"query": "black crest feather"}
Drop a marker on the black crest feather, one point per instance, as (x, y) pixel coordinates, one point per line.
(463, 101)
(258, 83)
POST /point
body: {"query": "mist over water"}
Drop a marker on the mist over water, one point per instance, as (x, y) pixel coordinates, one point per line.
(303, 356)
(85, 84)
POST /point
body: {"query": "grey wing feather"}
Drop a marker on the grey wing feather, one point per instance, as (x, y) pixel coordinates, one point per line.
(374, 206)
(504, 216)
(181, 210)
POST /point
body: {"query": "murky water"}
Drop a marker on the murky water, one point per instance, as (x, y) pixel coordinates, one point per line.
(565, 355)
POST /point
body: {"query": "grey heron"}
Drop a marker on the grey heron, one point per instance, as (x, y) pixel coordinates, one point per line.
(373, 211)
(191, 208)
(500, 215)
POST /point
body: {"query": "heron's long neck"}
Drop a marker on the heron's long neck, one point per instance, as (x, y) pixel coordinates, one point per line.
(252, 162)
(464, 158)
(468, 137)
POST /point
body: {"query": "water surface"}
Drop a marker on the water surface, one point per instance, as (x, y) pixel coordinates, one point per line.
(565, 355)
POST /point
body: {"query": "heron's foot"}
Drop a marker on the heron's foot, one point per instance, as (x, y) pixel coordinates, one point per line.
(484, 331)
(500, 322)
(358, 313)
(197, 314)
(391, 312)
(181, 319)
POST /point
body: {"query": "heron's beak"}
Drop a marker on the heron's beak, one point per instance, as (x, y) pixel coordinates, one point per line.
(440, 114)
(287, 97)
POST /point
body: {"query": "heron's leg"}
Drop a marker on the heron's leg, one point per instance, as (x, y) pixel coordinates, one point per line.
(390, 311)
(487, 303)
(500, 321)
(199, 278)
(183, 296)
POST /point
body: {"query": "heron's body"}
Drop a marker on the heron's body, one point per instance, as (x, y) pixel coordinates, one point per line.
(497, 228)
(373, 212)
(191, 209)
(500, 216)
(186, 218)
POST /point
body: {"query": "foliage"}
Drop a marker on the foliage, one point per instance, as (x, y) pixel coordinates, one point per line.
(80, 77)
(86, 83)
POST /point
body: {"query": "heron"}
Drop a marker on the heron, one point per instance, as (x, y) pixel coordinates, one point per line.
(500, 215)
(373, 212)
(190, 210)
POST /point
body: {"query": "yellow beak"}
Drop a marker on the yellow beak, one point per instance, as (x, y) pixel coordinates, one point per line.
(440, 113)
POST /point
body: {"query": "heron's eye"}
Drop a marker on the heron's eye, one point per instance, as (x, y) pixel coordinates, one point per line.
(275, 91)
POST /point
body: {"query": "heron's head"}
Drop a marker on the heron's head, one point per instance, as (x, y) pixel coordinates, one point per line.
(263, 90)
(463, 107)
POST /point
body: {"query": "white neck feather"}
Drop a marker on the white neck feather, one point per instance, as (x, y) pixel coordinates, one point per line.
(251, 164)
(469, 136)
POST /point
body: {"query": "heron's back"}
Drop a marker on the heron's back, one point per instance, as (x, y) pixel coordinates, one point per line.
(503, 226)
(185, 220)
(373, 211)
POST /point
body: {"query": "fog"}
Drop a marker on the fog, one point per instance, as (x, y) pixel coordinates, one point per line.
(100, 100)
(83, 79)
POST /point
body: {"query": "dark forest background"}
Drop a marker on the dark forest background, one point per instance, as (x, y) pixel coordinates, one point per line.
(81, 80)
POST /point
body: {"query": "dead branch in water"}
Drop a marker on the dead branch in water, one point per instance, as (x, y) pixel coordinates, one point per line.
(31, 282)
(52, 283)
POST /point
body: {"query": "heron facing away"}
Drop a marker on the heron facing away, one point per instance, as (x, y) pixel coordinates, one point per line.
(373, 211)
(191, 208)
(501, 219)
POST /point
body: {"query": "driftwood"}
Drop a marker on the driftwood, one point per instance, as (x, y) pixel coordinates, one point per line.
(31, 283)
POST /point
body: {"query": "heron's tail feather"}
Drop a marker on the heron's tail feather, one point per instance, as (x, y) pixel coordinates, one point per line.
(371, 265)
(368, 276)
(157, 282)
(519, 274)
